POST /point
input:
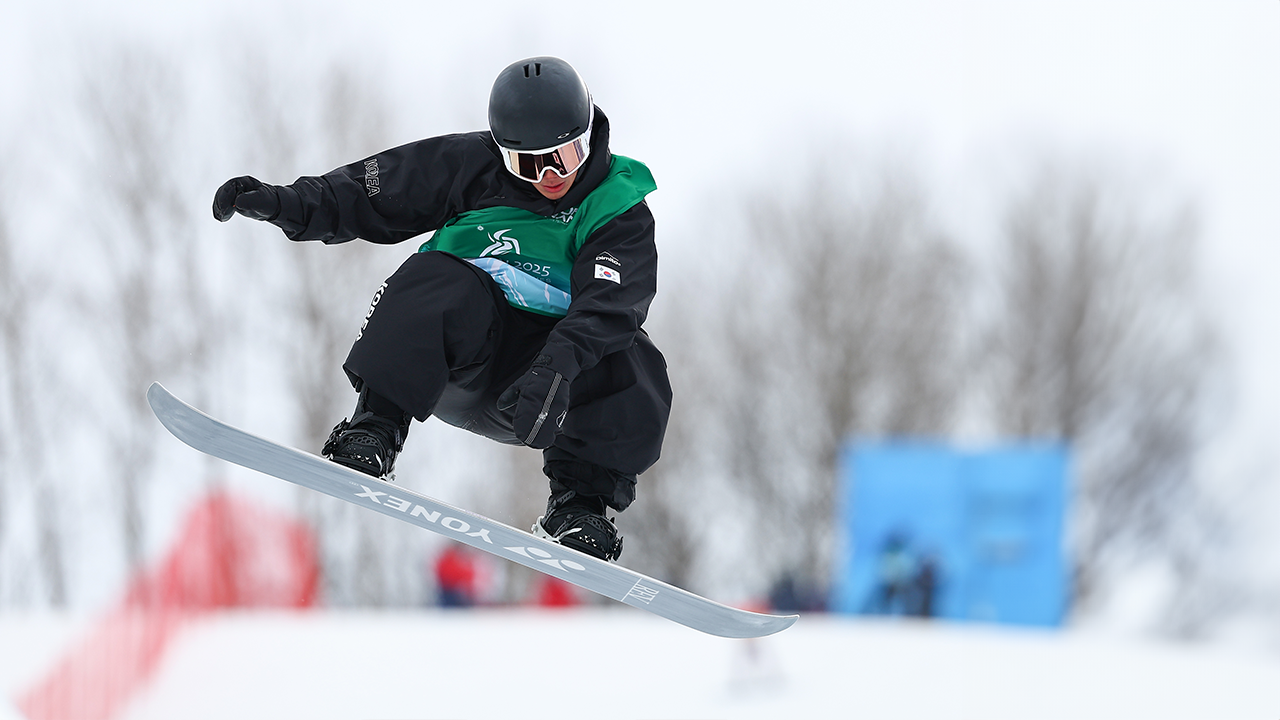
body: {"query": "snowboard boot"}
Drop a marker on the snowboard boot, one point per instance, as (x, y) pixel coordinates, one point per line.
(579, 522)
(369, 442)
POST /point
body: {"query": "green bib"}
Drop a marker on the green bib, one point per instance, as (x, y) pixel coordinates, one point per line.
(531, 256)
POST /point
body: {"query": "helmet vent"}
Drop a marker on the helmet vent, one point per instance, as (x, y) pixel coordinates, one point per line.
(536, 70)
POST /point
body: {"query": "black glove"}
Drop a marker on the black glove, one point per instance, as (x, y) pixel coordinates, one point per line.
(248, 196)
(541, 399)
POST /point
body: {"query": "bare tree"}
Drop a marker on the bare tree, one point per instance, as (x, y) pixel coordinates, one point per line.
(329, 286)
(873, 300)
(149, 313)
(1098, 340)
(666, 538)
(13, 336)
(25, 422)
(841, 317)
(323, 291)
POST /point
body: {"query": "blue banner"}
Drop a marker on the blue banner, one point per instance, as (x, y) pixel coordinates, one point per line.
(933, 531)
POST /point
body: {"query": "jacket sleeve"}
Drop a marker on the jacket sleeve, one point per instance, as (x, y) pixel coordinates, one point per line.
(613, 281)
(389, 197)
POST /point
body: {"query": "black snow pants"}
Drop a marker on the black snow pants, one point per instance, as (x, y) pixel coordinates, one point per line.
(441, 339)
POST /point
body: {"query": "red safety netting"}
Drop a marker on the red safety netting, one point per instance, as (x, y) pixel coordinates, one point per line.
(229, 553)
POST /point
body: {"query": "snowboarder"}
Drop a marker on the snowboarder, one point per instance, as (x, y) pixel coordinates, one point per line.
(521, 317)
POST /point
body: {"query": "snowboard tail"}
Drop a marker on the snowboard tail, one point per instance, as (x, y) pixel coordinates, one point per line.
(214, 437)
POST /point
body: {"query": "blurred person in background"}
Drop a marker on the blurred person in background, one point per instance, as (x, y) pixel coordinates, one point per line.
(457, 577)
(896, 574)
(521, 317)
(926, 585)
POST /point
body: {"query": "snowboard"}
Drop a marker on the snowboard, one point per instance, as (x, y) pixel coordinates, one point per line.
(214, 437)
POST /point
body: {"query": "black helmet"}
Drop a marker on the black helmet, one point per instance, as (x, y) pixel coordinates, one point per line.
(538, 103)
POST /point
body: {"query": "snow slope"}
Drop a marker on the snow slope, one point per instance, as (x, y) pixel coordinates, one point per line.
(619, 663)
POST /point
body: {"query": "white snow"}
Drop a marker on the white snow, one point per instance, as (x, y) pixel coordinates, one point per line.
(622, 663)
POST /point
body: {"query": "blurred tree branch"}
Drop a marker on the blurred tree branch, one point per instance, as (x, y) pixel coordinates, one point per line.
(152, 313)
(26, 386)
(1099, 340)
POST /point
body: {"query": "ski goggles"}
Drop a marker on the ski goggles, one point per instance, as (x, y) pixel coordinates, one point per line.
(564, 160)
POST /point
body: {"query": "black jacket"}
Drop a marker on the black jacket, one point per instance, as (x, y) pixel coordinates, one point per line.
(417, 188)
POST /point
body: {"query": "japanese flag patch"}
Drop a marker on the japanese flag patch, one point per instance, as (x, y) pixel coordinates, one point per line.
(607, 273)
